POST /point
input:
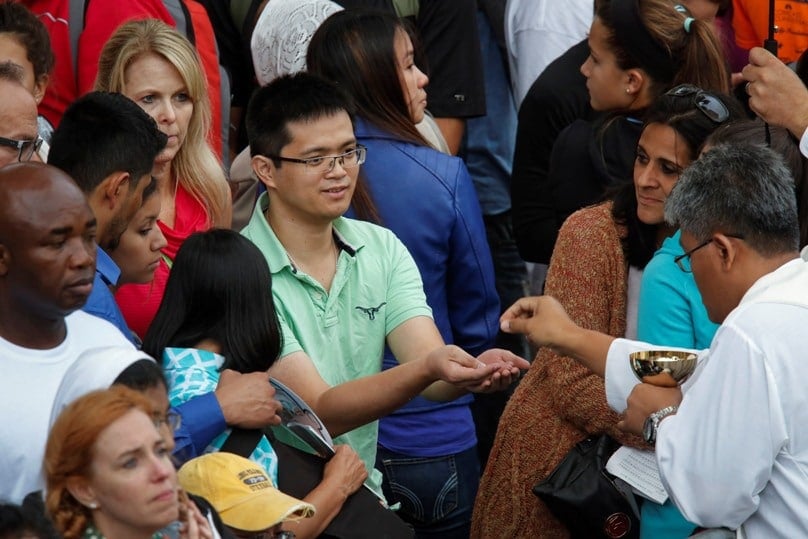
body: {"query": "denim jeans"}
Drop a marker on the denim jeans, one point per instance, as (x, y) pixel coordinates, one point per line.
(436, 493)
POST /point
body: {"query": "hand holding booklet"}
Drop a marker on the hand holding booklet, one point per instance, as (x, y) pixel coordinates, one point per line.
(299, 418)
(364, 515)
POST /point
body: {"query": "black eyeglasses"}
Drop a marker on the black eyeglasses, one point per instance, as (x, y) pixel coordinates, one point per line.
(707, 103)
(326, 163)
(25, 148)
(683, 260)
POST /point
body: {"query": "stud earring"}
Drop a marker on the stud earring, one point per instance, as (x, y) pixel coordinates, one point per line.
(92, 505)
(628, 90)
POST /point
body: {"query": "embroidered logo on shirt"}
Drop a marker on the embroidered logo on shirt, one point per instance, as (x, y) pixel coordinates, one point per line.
(371, 311)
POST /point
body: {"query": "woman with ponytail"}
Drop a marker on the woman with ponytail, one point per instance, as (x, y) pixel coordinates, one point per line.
(639, 49)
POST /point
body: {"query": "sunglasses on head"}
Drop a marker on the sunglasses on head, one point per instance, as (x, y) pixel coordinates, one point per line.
(707, 103)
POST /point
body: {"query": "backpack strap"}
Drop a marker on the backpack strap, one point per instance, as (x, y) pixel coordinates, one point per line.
(180, 15)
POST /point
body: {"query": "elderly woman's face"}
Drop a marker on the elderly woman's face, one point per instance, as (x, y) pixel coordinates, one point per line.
(132, 480)
(154, 83)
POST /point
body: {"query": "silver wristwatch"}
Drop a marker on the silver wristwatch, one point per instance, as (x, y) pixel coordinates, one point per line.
(649, 428)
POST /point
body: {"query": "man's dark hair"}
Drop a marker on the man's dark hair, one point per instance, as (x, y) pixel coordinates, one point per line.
(26, 520)
(293, 98)
(26, 28)
(142, 375)
(738, 189)
(102, 133)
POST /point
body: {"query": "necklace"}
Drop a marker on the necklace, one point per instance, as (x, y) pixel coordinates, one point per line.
(334, 258)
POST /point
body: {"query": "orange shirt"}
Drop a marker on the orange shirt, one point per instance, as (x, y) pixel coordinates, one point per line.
(750, 19)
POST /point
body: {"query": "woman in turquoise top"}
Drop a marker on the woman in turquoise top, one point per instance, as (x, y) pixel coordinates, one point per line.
(670, 309)
(203, 327)
(680, 122)
(218, 314)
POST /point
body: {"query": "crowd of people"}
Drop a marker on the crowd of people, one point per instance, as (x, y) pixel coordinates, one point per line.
(388, 208)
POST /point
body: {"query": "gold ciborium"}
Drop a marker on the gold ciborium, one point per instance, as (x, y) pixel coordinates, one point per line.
(665, 368)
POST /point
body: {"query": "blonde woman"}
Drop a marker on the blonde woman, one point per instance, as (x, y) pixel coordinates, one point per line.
(156, 67)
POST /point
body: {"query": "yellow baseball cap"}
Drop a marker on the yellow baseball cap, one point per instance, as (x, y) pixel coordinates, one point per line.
(241, 491)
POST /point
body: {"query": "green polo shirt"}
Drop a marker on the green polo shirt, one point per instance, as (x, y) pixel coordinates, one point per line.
(377, 287)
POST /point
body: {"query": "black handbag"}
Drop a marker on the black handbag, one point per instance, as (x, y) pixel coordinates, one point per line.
(586, 498)
(361, 516)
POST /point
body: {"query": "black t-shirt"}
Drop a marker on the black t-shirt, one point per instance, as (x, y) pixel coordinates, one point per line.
(557, 98)
(451, 43)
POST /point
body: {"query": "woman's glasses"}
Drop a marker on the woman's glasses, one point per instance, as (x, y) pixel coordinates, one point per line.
(707, 103)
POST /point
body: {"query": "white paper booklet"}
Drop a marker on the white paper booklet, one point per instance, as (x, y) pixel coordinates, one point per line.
(639, 469)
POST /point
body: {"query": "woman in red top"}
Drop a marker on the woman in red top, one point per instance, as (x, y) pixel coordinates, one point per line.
(155, 66)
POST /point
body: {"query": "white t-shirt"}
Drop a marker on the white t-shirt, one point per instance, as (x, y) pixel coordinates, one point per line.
(29, 380)
(736, 452)
(539, 31)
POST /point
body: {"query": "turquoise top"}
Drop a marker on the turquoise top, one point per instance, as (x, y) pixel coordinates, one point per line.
(190, 373)
(671, 313)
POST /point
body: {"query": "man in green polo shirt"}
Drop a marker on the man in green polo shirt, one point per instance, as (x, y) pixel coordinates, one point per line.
(344, 288)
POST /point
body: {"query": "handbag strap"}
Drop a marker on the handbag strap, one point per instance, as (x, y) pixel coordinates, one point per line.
(242, 441)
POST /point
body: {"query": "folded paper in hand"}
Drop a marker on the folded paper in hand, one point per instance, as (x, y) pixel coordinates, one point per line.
(639, 469)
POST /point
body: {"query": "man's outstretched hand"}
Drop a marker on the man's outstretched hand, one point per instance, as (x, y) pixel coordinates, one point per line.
(493, 370)
(541, 318)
